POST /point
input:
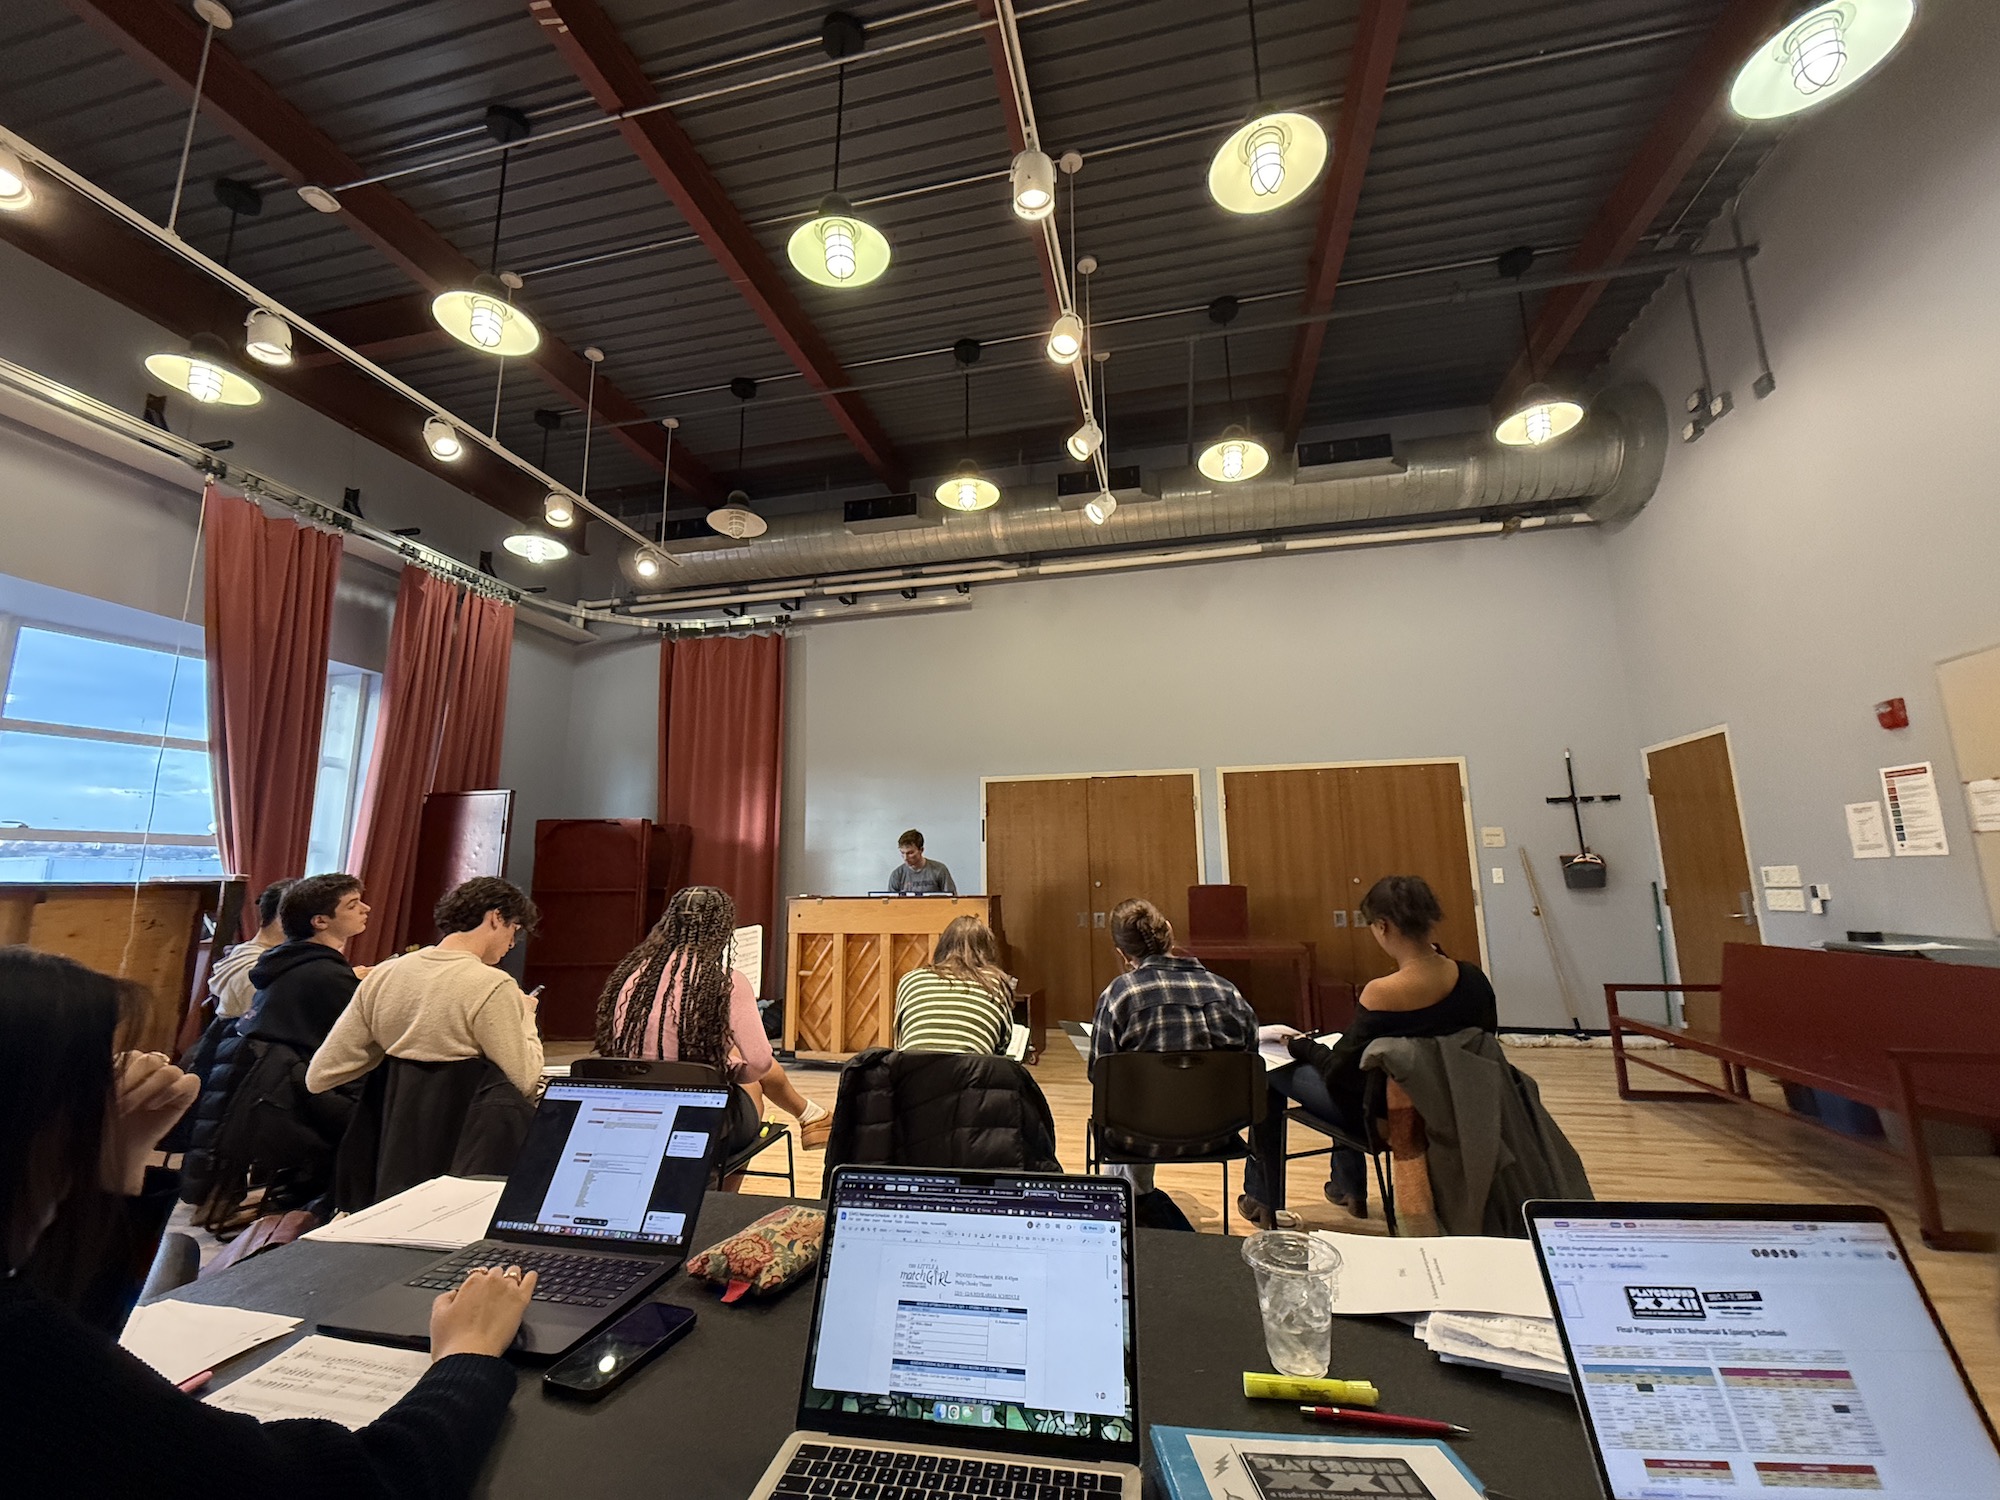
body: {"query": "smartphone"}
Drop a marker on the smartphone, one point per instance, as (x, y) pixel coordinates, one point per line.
(592, 1369)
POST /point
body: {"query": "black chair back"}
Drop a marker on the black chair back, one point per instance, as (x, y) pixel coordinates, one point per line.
(648, 1070)
(1176, 1106)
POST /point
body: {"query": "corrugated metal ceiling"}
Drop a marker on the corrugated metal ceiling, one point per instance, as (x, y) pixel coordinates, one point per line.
(1504, 125)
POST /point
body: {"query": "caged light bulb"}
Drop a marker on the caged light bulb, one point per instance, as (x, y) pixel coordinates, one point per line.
(1232, 461)
(487, 322)
(837, 236)
(1267, 161)
(968, 494)
(1541, 425)
(204, 382)
(1819, 51)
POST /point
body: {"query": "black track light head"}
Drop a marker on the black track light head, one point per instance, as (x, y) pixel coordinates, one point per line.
(842, 35)
(508, 125)
(1222, 311)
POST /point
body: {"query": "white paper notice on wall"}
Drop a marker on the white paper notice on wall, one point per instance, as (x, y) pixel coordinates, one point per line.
(1867, 834)
(1916, 817)
(746, 955)
(1779, 899)
(1492, 838)
(1982, 803)
(1781, 875)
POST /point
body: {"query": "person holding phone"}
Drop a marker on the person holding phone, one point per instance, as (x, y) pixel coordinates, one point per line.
(80, 1211)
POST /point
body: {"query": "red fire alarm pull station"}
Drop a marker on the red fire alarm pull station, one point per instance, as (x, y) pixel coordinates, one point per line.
(1892, 714)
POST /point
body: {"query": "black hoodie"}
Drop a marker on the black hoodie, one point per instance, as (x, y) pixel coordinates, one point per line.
(302, 987)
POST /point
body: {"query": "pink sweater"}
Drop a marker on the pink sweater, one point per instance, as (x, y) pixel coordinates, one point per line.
(751, 1055)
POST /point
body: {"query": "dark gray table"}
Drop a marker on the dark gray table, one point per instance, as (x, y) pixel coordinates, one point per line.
(702, 1423)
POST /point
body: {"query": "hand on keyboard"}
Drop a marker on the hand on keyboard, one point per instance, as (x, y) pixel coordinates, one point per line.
(482, 1315)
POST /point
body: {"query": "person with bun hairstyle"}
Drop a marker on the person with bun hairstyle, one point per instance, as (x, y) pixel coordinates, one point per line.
(1164, 1002)
(1428, 994)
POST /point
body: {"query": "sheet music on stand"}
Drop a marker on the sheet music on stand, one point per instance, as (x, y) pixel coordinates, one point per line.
(746, 955)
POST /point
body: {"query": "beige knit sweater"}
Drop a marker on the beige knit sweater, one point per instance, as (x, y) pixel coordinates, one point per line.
(434, 1005)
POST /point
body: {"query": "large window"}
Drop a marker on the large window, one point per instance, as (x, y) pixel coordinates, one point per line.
(104, 772)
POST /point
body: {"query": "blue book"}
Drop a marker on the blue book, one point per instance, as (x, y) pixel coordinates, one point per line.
(1201, 1463)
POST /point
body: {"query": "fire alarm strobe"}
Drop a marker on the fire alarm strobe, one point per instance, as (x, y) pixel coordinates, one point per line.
(1892, 713)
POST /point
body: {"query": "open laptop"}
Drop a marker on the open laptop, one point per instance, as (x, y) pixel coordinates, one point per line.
(972, 1334)
(601, 1203)
(1724, 1349)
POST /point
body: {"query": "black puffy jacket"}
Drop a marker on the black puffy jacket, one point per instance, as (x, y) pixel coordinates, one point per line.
(941, 1109)
(302, 987)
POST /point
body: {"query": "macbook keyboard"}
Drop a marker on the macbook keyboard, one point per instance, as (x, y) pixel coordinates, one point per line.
(825, 1471)
(578, 1280)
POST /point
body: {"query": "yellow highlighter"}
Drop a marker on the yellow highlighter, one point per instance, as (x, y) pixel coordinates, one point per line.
(1296, 1388)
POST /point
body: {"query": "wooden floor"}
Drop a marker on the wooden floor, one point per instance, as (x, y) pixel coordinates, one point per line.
(1692, 1152)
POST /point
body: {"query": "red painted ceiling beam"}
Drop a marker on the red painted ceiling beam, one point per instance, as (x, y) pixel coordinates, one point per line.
(590, 44)
(74, 236)
(167, 38)
(382, 329)
(1677, 136)
(1377, 30)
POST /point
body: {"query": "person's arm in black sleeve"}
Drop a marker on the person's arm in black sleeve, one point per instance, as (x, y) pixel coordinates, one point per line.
(81, 1416)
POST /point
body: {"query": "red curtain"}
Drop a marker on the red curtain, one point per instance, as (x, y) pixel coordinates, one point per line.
(722, 756)
(267, 610)
(444, 705)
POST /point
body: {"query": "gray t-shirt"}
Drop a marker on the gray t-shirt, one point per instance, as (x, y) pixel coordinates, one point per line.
(933, 879)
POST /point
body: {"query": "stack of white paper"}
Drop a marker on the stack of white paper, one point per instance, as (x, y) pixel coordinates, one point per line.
(446, 1213)
(343, 1382)
(1017, 1044)
(1454, 1273)
(1525, 1349)
(183, 1339)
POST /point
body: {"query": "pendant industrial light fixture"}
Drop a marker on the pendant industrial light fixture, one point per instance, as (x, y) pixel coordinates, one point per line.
(267, 338)
(482, 316)
(1541, 414)
(837, 247)
(734, 518)
(648, 562)
(1234, 456)
(15, 194)
(967, 489)
(1273, 157)
(558, 509)
(1820, 52)
(205, 369)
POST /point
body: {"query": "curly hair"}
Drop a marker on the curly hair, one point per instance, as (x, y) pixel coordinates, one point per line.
(466, 904)
(687, 949)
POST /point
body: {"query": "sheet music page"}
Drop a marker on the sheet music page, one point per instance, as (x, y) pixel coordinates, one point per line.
(746, 955)
(342, 1381)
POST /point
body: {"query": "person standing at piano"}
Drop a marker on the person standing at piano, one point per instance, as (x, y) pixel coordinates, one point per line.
(917, 876)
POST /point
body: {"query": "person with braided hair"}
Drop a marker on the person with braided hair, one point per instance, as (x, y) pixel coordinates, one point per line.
(676, 998)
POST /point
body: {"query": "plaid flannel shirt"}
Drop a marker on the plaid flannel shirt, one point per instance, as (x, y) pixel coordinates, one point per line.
(1172, 1004)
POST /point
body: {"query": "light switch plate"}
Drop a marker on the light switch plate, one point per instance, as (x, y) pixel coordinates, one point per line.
(1782, 875)
(1781, 899)
(1499, 874)
(1493, 838)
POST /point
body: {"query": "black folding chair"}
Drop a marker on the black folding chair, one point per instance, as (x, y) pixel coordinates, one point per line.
(1175, 1109)
(1374, 1147)
(699, 1075)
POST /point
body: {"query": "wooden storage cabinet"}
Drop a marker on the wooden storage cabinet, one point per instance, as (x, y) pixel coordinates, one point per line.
(601, 883)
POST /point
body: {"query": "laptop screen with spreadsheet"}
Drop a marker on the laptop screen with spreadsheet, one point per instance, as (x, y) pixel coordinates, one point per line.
(997, 1306)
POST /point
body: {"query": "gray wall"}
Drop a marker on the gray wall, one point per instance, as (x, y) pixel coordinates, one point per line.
(1500, 651)
(1822, 550)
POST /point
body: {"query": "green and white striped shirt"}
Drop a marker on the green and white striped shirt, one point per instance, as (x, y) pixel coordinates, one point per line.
(935, 1013)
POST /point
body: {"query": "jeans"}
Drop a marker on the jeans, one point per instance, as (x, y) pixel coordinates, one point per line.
(1348, 1173)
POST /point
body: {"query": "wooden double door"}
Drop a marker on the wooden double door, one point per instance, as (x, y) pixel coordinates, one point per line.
(1061, 852)
(1308, 841)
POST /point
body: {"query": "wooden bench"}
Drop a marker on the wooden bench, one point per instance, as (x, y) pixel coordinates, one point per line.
(1902, 1034)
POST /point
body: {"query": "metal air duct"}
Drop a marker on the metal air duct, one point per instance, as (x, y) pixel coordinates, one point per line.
(1609, 467)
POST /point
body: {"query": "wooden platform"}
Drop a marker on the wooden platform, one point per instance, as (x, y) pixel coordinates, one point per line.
(1631, 1150)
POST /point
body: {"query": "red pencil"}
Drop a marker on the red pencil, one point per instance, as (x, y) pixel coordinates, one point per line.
(1386, 1421)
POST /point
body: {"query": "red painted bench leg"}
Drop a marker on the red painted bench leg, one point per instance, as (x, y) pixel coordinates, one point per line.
(1930, 1212)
